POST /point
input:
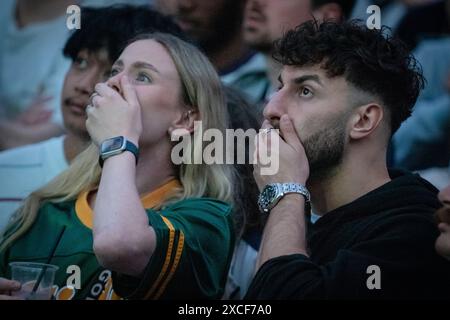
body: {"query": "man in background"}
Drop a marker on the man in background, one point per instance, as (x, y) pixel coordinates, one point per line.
(216, 28)
(267, 20)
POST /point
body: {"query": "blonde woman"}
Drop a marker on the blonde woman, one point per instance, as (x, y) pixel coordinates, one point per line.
(157, 229)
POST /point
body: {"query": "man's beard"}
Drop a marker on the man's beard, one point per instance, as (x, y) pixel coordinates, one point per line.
(325, 149)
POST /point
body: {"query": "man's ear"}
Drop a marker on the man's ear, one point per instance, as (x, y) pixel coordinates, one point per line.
(365, 119)
(330, 11)
(185, 123)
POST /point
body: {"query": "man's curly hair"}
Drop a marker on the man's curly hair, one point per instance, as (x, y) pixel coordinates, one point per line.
(368, 59)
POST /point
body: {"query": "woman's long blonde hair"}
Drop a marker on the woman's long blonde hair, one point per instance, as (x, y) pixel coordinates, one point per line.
(201, 89)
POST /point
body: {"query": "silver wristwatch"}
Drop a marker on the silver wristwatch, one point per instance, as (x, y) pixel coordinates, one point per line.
(272, 194)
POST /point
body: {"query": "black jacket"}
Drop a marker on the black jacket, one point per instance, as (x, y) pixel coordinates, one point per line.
(391, 227)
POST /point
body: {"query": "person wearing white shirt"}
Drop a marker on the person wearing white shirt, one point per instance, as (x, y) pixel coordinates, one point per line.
(32, 69)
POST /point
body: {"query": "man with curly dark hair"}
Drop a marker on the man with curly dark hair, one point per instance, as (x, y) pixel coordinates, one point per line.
(344, 90)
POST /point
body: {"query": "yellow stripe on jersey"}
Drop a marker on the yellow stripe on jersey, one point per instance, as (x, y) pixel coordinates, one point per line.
(174, 266)
(84, 211)
(167, 259)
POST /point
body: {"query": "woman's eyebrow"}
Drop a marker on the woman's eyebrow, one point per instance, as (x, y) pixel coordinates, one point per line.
(118, 63)
(137, 65)
(146, 65)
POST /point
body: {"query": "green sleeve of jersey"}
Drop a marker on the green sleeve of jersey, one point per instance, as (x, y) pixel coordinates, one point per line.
(195, 241)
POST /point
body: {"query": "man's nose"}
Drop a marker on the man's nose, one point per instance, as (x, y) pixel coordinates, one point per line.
(87, 82)
(275, 108)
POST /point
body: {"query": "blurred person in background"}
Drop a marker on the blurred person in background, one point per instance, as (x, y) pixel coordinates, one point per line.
(216, 28)
(427, 20)
(392, 11)
(267, 20)
(32, 66)
(249, 221)
(423, 141)
(32, 69)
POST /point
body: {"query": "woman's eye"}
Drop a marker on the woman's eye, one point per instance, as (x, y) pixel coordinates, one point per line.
(142, 77)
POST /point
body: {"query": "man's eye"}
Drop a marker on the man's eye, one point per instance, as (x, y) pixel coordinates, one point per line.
(106, 75)
(142, 77)
(113, 72)
(305, 92)
(81, 63)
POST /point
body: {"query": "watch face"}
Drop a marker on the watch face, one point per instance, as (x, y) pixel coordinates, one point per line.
(270, 192)
(112, 144)
(267, 196)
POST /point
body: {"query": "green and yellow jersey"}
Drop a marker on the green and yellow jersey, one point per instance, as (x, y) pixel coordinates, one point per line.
(195, 243)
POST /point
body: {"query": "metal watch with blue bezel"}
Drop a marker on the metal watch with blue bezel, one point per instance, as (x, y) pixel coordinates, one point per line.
(274, 192)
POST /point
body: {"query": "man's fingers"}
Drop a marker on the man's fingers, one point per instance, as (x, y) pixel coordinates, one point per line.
(288, 131)
(128, 91)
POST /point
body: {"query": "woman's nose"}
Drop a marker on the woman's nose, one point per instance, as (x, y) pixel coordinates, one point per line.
(114, 82)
